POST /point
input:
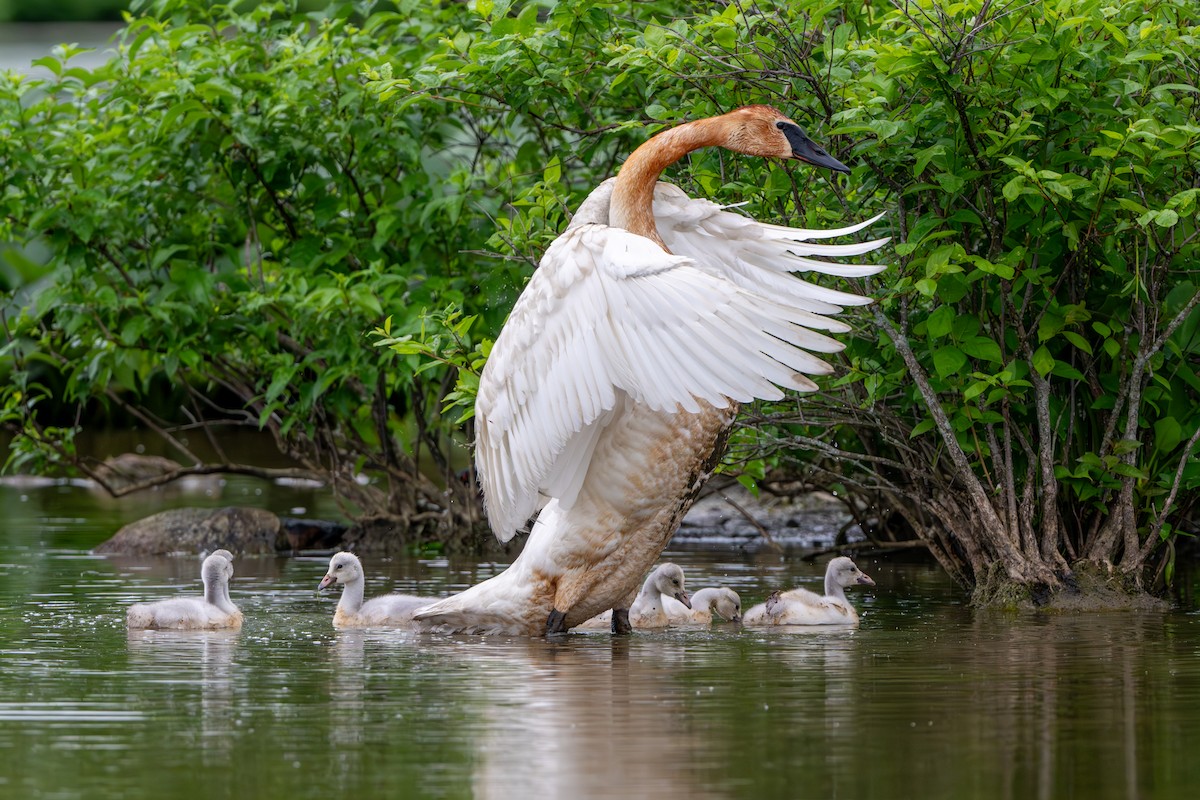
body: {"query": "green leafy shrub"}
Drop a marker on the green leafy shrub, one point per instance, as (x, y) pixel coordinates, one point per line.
(1032, 399)
(61, 10)
(233, 202)
(228, 212)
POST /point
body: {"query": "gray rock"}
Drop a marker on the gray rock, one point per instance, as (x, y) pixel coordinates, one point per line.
(130, 468)
(243, 531)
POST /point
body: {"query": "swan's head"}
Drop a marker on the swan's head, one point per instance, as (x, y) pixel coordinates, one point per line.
(763, 131)
(727, 605)
(668, 580)
(217, 569)
(343, 568)
(846, 573)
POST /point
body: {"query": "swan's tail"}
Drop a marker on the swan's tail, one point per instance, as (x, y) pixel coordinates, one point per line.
(500, 605)
(440, 619)
(139, 617)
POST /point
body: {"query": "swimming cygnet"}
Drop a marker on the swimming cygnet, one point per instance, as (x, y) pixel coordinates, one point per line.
(385, 610)
(214, 611)
(666, 581)
(802, 607)
(722, 601)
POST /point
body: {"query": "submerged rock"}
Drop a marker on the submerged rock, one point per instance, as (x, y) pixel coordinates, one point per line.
(240, 530)
(383, 536)
(130, 468)
(311, 534)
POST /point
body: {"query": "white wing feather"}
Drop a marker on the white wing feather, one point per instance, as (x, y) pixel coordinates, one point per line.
(608, 313)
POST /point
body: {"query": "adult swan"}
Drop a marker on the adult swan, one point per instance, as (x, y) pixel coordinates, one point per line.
(609, 395)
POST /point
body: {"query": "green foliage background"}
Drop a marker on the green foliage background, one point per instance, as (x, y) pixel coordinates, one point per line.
(230, 205)
(61, 10)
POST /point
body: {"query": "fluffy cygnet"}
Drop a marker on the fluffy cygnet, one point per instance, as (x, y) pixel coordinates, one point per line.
(214, 611)
(722, 601)
(802, 607)
(385, 610)
(665, 582)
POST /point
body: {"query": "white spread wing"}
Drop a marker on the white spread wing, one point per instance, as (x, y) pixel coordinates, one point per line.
(609, 313)
(761, 257)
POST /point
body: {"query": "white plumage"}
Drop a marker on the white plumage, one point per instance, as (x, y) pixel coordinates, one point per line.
(608, 395)
(389, 610)
(665, 584)
(213, 611)
(721, 601)
(608, 313)
(802, 607)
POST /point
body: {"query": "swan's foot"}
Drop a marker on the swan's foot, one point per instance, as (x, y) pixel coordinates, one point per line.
(620, 621)
(556, 622)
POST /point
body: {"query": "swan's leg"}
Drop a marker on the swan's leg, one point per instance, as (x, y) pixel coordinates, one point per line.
(620, 615)
(556, 622)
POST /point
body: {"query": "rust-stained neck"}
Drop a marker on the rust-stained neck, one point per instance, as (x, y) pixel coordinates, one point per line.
(632, 205)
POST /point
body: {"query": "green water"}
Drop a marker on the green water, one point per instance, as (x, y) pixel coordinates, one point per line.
(925, 699)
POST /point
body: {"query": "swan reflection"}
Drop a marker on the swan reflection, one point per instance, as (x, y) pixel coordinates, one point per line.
(202, 663)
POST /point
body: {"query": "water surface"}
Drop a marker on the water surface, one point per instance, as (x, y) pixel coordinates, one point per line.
(925, 699)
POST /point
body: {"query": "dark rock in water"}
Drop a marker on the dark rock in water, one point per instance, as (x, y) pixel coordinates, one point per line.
(376, 536)
(379, 536)
(311, 534)
(129, 468)
(240, 530)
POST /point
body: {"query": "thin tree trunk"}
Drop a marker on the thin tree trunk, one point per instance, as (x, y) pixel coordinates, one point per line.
(989, 530)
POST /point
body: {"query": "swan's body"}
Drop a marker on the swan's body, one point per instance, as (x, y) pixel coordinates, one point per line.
(722, 601)
(213, 611)
(389, 610)
(609, 394)
(802, 607)
(665, 583)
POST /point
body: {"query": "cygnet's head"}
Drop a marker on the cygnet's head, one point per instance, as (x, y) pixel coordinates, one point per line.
(343, 568)
(668, 580)
(223, 554)
(847, 573)
(727, 605)
(216, 569)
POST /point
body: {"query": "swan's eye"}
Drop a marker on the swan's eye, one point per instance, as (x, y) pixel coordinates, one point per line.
(780, 125)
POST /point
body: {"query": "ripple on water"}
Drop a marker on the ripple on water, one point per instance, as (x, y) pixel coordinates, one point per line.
(923, 694)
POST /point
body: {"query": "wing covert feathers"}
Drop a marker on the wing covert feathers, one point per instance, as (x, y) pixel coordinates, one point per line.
(609, 313)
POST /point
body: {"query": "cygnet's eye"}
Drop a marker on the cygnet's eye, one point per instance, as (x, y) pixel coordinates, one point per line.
(780, 125)
(339, 566)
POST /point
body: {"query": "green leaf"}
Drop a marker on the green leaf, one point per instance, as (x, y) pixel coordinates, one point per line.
(1012, 190)
(1167, 218)
(1078, 341)
(939, 260)
(749, 483)
(725, 37)
(974, 390)
(984, 349)
(940, 322)
(553, 171)
(1168, 433)
(924, 426)
(1043, 362)
(948, 360)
